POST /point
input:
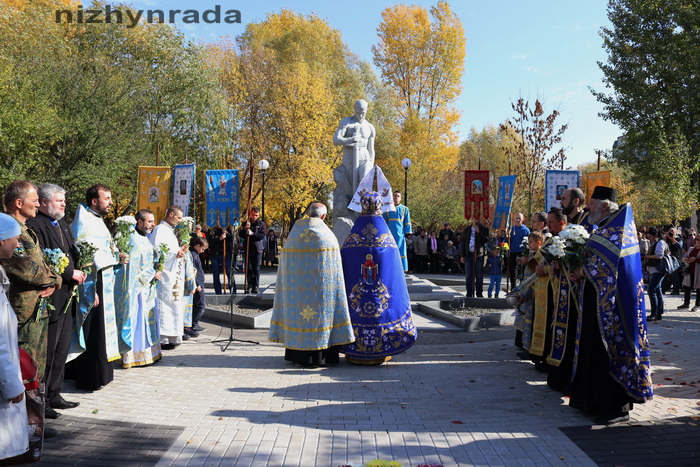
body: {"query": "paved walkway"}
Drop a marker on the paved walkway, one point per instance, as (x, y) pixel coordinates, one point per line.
(454, 398)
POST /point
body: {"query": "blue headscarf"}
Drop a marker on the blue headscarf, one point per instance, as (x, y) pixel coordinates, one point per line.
(9, 227)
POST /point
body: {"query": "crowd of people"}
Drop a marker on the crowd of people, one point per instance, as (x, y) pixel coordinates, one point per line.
(78, 299)
(581, 315)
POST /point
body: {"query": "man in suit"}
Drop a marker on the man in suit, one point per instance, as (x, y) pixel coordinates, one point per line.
(53, 233)
(471, 252)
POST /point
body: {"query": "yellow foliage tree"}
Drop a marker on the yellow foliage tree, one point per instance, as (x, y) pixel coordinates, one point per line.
(421, 58)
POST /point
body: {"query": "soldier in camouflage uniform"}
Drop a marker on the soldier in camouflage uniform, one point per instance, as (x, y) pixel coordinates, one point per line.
(30, 278)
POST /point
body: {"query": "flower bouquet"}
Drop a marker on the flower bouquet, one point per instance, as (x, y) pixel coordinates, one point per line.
(184, 230)
(163, 251)
(574, 237)
(125, 225)
(555, 250)
(86, 255)
(57, 261)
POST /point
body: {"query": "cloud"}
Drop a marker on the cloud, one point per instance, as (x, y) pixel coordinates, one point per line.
(519, 57)
(534, 69)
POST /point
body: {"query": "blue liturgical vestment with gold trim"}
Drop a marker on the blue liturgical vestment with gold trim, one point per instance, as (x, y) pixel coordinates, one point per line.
(613, 265)
(310, 311)
(399, 223)
(378, 299)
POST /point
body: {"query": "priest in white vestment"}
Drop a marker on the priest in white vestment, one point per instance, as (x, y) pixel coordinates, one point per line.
(170, 304)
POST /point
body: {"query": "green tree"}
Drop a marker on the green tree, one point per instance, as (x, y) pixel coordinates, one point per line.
(652, 79)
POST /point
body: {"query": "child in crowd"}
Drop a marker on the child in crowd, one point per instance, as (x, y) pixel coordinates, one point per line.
(493, 265)
(199, 302)
(532, 310)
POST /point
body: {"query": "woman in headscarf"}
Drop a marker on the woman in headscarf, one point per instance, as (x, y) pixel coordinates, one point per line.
(14, 435)
(380, 308)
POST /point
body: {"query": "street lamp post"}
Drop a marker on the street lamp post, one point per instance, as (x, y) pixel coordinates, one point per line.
(263, 165)
(406, 164)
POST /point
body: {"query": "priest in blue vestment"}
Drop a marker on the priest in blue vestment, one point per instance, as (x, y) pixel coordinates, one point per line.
(611, 362)
(399, 223)
(380, 307)
(310, 313)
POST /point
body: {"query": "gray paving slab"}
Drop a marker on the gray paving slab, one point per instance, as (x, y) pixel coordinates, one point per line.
(454, 398)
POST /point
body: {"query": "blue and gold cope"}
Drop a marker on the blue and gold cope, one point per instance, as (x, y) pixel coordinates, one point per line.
(612, 263)
(378, 298)
(310, 311)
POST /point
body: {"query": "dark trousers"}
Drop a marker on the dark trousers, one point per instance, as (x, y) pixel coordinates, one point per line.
(253, 269)
(60, 328)
(656, 298)
(474, 266)
(513, 267)
(421, 263)
(199, 303)
(216, 265)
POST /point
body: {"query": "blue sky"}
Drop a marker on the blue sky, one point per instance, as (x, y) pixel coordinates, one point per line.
(542, 49)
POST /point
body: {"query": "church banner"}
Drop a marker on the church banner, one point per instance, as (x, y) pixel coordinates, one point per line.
(506, 186)
(221, 187)
(182, 188)
(595, 179)
(154, 187)
(556, 183)
(476, 194)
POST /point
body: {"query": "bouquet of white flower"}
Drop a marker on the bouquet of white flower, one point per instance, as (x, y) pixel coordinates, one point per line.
(184, 230)
(125, 225)
(574, 237)
(555, 250)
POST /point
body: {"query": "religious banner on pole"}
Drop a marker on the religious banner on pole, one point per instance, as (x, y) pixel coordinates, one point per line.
(222, 197)
(182, 188)
(504, 201)
(595, 179)
(154, 187)
(476, 194)
(556, 183)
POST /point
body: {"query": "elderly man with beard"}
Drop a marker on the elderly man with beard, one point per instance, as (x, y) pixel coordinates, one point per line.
(53, 232)
(612, 365)
(136, 295)
(97, 343)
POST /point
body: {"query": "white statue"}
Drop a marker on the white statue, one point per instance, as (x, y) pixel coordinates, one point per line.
(356, 135)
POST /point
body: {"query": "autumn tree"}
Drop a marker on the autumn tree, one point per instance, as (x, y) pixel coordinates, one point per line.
(290, 79)
(535, 151)
(651, 76)
(420, 55)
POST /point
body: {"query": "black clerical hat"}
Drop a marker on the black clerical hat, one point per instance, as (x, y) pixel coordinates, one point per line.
(604, 192)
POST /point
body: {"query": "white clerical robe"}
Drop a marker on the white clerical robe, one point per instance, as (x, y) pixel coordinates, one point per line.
(14, 434)
(170, 305)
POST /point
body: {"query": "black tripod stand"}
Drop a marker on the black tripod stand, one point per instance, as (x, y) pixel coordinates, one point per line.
(231, 337)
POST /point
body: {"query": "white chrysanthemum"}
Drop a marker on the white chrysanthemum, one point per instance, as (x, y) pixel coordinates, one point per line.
(187, 220)
(130, 220)
(557, 247)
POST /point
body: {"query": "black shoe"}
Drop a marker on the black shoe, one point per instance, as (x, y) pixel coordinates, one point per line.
(524, 355)
(245, 291)
(185, 337)
(50, 433)
(61, 403)
(480, 295)
(167, 346)
(190, 332)
(255, 290)
(684, 305)
(198, 328)
(49, 412)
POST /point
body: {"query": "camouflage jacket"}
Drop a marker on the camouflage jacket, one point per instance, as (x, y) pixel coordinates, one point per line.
(28, 274)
